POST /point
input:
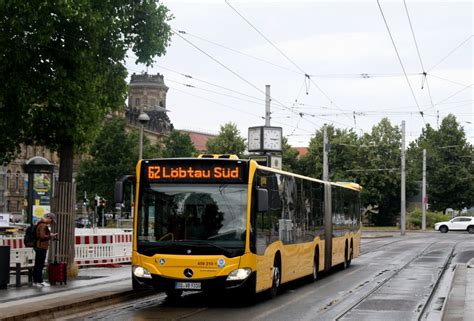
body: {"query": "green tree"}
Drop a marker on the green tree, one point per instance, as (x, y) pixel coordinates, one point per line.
(342, 154)
(149, 150)
(178, 145)
(113, 154)
(450, 171)
(290, 160)
(381, 181)
(62, 70)
(62, 66)
(228, 141)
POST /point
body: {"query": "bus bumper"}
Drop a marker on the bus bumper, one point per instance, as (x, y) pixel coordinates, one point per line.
(217, 284)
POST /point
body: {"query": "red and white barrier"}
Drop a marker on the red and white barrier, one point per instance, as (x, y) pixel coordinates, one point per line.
(92, 247)
(19, 253)
(102, 246)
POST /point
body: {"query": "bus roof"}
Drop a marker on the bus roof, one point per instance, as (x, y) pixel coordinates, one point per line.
(350, 185)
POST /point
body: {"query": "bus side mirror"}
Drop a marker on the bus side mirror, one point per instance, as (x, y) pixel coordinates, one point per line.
(262, 200)
(118, 191)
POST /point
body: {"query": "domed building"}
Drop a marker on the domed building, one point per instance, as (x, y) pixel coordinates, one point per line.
(147, 93)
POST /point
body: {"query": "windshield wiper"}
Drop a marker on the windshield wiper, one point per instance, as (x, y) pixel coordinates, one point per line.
(153, 249)
(199, 243)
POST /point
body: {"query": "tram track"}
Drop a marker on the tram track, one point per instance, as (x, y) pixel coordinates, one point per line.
(428, 302)
(339, 307)
(383, 283)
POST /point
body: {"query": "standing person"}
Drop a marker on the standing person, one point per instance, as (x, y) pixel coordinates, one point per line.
(43, 236)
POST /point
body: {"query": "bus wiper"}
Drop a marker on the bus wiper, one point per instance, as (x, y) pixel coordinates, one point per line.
(152, 250)
(199, 243)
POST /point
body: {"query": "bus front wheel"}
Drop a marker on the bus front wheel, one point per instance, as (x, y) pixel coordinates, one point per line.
(276, 279)
(138, 286)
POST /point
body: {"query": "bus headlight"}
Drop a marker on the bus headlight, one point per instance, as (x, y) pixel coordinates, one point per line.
(141, 272)
(239, 274)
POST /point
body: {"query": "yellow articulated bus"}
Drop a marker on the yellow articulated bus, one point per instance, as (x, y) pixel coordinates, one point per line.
(206, 224)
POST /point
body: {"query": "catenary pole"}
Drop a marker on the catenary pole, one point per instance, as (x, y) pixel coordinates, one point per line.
(403, 192)
(325, 154)
(423, 194)
(267, 105)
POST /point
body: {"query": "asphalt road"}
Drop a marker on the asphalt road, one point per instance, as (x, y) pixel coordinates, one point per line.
(395, 278)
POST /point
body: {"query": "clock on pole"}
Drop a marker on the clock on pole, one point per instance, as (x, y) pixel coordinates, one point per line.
(265, 139)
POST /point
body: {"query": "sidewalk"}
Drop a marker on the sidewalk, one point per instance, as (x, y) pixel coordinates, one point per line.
(91, 283)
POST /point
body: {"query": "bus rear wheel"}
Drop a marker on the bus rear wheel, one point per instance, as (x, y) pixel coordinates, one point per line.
(347, 257)
(314, 276)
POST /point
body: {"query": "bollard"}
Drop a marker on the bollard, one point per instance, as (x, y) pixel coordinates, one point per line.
(18, 275)
(4, 266)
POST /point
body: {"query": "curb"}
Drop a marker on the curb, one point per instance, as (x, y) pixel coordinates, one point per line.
(49, 313)
(62, 290)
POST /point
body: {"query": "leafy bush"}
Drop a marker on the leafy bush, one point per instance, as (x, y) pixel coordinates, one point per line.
(414, 219)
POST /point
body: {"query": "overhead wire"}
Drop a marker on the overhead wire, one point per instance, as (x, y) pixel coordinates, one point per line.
(213, 91)
(456, 93)
(447, 80)
(243, 79)
(359, 75)
(239, 52)
(419, 56)
(231, 107)
(283, 54)
(451, 52)
(401, 63)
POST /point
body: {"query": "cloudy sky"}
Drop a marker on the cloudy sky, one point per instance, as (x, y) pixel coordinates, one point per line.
(232, 50)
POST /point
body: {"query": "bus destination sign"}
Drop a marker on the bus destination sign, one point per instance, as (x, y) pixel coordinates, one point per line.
(195, 172)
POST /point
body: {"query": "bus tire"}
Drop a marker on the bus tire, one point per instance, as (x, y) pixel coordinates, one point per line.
(351, 255)
(276, 278)
(314, 276)
(346, 263)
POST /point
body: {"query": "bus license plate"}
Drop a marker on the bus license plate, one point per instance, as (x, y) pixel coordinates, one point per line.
(188, 285)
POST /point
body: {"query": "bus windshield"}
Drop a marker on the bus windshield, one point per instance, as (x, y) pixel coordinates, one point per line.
(192, 218)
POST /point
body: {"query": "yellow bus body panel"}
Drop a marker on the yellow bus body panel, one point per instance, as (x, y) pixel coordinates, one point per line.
(296, 261)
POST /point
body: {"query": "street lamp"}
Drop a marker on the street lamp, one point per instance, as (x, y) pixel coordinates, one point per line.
(143, 118)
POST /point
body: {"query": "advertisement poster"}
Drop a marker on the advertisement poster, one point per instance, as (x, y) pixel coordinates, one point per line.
(41, 195)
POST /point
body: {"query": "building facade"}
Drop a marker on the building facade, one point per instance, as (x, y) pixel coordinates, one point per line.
(14, 181)
(147, 93)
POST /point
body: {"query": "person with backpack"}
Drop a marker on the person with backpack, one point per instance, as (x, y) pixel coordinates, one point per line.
(43, 236)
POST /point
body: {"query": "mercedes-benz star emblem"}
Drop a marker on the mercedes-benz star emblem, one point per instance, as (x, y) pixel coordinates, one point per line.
(188, 273)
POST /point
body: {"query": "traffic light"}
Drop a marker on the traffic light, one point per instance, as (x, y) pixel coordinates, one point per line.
(85, 202)
(102, 202)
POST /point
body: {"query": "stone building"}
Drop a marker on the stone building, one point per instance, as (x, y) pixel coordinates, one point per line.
(13, 180)
(147, 93)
